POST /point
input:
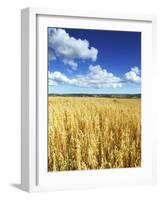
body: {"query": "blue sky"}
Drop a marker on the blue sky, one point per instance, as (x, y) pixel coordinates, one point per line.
(93, 61)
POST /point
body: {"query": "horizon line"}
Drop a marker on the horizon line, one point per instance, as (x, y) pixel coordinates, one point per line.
(101, 93)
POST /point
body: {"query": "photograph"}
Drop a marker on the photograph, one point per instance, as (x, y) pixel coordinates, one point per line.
(94, 99)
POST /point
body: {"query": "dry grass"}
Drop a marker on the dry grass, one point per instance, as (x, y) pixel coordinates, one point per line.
(93, 133)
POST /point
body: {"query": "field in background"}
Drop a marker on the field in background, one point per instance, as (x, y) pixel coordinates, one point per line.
(93, 133)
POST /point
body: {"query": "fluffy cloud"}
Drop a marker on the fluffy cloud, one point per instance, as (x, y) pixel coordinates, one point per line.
(96, 78)
(69, 48)
(51, 54)
(133, 76)
(58, 77)
(52, 82)
(136, 70)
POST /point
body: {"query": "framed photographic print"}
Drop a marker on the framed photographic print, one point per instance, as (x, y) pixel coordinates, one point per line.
(86, 100)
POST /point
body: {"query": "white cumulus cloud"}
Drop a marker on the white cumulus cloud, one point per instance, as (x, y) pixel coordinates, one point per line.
(133, 75)
(69, 48)
(52, 82)
(97, 77)
(57, 77)
(51, 54)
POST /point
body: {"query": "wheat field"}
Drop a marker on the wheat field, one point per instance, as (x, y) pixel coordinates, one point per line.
(93, 133)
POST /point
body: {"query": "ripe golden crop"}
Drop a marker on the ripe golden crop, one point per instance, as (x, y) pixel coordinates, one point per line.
(93, 133)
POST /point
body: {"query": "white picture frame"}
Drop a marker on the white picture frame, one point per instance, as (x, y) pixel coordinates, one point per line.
(33, 87)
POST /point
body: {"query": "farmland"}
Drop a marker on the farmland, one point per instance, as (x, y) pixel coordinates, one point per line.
(93, 133)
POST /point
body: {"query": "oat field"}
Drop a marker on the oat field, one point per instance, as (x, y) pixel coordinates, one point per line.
(93, 133)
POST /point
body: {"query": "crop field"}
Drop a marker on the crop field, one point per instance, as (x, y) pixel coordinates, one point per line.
(93, 133)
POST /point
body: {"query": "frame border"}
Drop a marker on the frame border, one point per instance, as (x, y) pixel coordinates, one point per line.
(29, 135)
